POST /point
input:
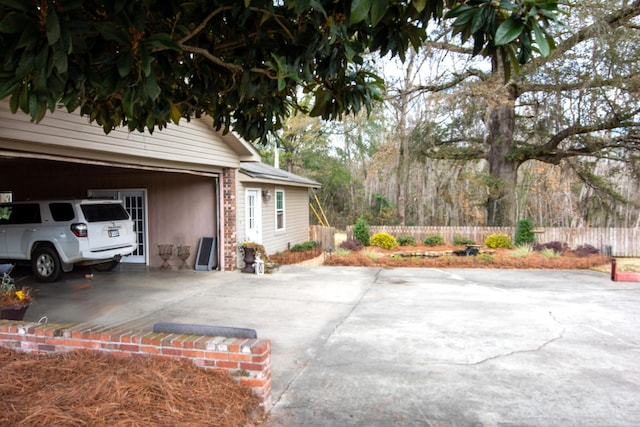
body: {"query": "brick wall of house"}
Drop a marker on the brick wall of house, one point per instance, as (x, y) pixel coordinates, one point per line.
(229, 177)
(248, 361)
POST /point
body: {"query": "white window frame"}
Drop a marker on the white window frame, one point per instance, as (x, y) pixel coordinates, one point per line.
(278, 211)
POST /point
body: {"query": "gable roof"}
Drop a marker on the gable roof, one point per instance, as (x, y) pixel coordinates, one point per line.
(262, 172)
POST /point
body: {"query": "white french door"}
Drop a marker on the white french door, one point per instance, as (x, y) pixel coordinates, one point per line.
(135, 202)
(253, 216)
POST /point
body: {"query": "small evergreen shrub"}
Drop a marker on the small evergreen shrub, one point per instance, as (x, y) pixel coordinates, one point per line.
(353, 245)
(586, 250)
(406, 240)
(303, 247)
(461, 240)
(498, 240)
(433, 240)
(384, 240)
(524, 232)
(556, 246)
(361, 231)
(522, 251)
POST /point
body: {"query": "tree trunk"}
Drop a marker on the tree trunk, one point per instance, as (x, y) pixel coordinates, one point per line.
(502, 169)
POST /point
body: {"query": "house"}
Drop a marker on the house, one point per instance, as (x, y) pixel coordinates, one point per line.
(179, 184)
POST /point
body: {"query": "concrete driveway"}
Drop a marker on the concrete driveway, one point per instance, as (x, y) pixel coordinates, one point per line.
(402, 347)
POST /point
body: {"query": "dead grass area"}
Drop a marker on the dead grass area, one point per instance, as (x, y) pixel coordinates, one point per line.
(498, 258)
(87, 389)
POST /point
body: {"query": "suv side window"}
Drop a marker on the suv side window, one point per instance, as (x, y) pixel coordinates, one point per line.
(104, 212)
(28, 213)
(62, 211)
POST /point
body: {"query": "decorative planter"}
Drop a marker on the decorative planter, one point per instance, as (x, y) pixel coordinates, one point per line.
(183, 254)
(13, 313)
(249, 260)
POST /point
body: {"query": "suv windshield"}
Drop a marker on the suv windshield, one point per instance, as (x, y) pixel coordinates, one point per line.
(104, 212)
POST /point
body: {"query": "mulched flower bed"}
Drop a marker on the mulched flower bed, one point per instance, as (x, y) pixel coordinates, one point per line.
(498, 258)
(88, 389)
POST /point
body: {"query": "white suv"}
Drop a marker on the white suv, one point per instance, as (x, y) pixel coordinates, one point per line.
(56, 234)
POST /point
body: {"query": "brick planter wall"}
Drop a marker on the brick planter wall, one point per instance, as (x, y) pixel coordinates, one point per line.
(248, 361)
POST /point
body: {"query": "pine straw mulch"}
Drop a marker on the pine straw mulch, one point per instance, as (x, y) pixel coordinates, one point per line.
(498, 258)
(88, 389)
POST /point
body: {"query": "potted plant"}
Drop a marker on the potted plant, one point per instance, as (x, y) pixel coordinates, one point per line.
(249, 251)
(14, 302)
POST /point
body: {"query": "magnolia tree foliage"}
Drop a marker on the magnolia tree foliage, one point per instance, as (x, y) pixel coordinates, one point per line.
(144, 63)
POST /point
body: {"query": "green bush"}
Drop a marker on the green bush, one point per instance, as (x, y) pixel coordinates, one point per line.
(384, 240)
(524, 232)
(498, 240)
(461, 240)
(303, 247)
(433, 240)
(361, 231)
(406, 240)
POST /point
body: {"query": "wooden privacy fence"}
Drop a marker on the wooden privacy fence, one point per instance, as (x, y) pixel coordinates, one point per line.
(324, 235)
(621, 242)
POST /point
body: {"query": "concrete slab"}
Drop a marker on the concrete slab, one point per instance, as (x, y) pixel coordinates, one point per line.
(380, 347)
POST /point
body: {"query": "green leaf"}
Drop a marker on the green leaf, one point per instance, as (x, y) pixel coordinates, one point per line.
(419, 4)
(113, 33)
(175, 113)
(162, 40)
(281, 83)
(508, 31)
(359, 11)
(13, 23)
(125, 62)
(378, 10)
(60, 59)
(541, 40)
(21, 5)
(53, 27)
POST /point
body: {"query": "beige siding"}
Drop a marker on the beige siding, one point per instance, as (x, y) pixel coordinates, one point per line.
(296, 216)
(192, 145)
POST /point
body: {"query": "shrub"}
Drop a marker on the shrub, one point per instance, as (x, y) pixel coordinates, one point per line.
(549, 253)
(384, 240)
(522, 251)
(485, 258)
(524, 232)
(353, 245)
(433, 240)
(556, 246)
(586, 250)
(371, 255)
(461, 240)
(498, 240)
(361, 231)
(303, 247)
(406, 240)
(345, 252)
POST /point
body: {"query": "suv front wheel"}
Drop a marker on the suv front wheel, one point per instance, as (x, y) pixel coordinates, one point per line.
(45, 264)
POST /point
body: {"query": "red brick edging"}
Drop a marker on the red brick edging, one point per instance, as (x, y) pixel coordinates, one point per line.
(248, 361)
(618, 276)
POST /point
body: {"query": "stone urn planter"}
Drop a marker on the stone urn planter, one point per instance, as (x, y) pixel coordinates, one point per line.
(249, 251)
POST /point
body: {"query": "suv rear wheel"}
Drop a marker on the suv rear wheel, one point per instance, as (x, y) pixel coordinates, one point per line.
(45, 264)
